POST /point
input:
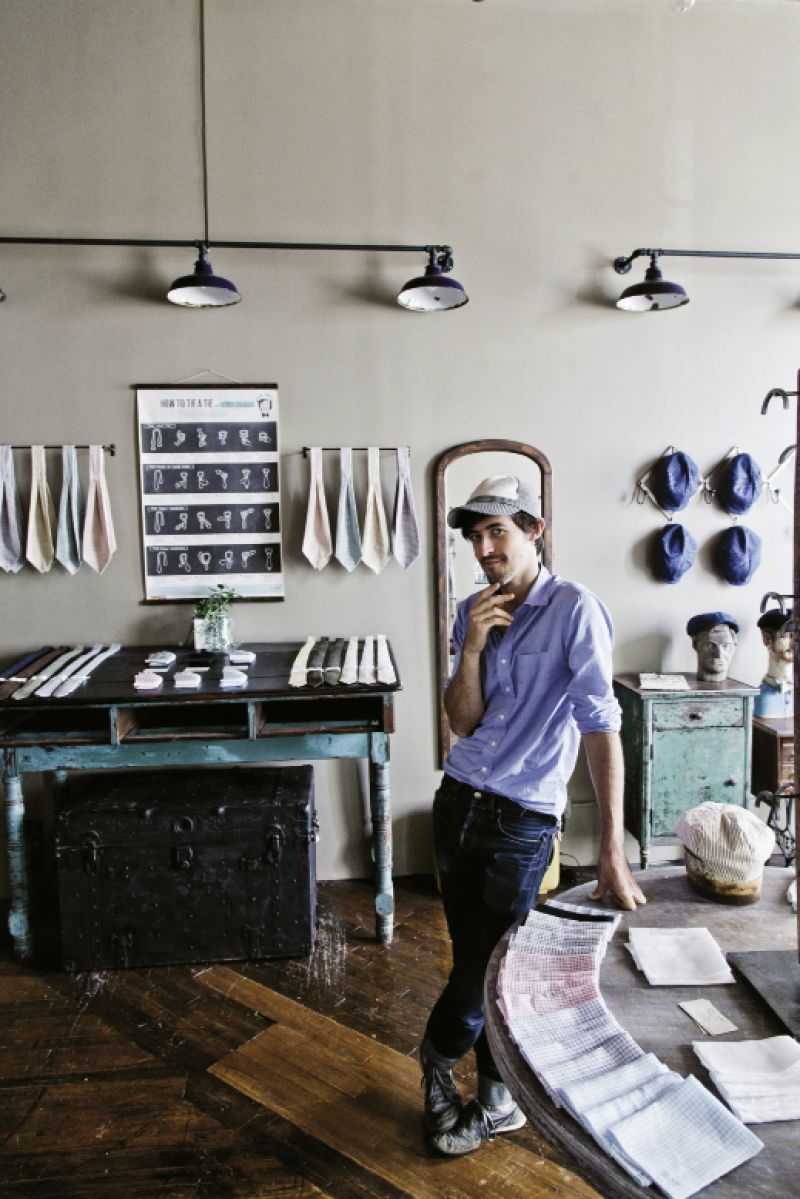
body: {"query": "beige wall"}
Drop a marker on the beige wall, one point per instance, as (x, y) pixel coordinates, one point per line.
(541, 138)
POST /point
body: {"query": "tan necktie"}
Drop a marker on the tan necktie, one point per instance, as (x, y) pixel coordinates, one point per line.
(317, 537)
(40, 545)
(376, 551)
(99, 539)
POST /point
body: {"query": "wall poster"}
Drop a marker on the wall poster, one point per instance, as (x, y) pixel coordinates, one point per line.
(210, 490)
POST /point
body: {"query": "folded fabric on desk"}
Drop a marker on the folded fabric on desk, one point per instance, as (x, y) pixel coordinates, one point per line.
(678, 957)
(684, 1140)
(759, 1080)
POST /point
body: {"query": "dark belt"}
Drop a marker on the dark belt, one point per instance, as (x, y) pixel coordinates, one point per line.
(492, 802)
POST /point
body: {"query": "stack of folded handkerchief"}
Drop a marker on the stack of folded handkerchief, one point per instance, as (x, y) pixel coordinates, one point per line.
(759, 1080)
(678, 957)
(658, 1126)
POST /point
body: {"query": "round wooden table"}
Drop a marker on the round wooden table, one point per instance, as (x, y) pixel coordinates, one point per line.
(652, 1016)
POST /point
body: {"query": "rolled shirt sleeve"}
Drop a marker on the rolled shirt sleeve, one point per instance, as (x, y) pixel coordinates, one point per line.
(588, 644)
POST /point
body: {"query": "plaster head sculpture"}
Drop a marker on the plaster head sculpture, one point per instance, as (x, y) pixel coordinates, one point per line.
(775, 694)
(714, 638)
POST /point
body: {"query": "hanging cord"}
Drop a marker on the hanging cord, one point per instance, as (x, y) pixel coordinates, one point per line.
(203, 116)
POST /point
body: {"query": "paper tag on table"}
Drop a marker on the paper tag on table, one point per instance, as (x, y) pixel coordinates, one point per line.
(709, 1018)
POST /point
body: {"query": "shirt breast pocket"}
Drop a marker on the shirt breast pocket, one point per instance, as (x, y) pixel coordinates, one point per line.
(529, 667)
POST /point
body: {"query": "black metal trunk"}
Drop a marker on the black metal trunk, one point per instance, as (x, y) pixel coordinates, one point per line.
(157, 867)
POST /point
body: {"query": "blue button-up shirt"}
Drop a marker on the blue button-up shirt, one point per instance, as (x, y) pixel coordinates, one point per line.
(546, 679)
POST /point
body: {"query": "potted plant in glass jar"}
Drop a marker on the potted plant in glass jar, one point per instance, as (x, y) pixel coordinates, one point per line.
(213, 624)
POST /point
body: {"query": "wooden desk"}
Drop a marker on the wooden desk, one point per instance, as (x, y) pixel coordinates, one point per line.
(773, 753)
(657, 1024)
(107, 724)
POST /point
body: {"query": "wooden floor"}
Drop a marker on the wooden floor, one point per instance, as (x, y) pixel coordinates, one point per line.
(285, 1078)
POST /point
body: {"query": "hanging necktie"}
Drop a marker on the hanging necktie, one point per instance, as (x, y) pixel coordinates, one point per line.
(39, 548)
(68, 538)
(99, 540)
(376, 551)
(349, 673)
(386, 671)
(11, 555)
(405, 531)
(366, 667)
(317, 536)
(348, 537)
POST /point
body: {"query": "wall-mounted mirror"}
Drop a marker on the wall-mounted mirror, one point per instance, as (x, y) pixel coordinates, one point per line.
(458, 471)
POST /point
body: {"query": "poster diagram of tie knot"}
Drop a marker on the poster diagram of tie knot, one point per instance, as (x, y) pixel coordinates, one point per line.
(210, 490)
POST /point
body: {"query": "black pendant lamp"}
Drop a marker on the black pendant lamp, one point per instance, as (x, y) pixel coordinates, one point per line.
(654, 294)
(203, 289)
(434, 291)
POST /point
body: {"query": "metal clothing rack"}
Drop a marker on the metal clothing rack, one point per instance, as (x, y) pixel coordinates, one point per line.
(109, 449)
(334, 449)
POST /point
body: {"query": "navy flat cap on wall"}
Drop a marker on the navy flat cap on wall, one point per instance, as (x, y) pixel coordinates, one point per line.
(737, 555)
(673, 480)
(672, 553)
(739, 484)
(707, 620)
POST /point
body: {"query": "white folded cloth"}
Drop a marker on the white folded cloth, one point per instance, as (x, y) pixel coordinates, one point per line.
(678, 957)
(598, 1119)
(349, 673)
(582, 1096)
(366, 667)
(147, 680)
(684, 1140)
(759, 1080)
(297, 674)
(160, 657)
(231, 677)
(385, 670)
(241, 657)
(186, 678)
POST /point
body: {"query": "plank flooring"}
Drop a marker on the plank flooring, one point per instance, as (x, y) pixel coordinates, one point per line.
(250, 1080)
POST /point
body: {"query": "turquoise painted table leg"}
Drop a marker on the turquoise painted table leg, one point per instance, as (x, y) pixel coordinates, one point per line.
(380, 810)
(18, 922)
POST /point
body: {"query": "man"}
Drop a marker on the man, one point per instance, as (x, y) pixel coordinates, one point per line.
(532, 676)
(714, 637)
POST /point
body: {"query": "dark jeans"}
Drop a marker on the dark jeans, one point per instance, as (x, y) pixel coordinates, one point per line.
(492, 855)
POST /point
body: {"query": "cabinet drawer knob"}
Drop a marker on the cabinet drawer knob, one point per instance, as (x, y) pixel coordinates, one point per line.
(695, 715)
(730, 782)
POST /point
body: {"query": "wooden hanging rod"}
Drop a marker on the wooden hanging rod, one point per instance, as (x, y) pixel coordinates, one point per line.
(334, 449)
(109, 449)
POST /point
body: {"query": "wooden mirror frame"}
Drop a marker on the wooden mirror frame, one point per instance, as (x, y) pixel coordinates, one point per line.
(441, 508)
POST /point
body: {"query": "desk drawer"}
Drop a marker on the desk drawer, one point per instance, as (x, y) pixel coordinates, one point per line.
(698, 713)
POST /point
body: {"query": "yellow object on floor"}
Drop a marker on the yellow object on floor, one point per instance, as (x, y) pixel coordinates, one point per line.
(552, 875)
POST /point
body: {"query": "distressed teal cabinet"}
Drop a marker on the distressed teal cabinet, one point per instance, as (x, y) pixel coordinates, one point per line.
(682, 748)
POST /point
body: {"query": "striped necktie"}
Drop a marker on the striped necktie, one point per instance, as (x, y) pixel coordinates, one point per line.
(348, 537)
(405, 531)
(11, 555)
(68, 538)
